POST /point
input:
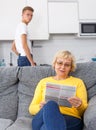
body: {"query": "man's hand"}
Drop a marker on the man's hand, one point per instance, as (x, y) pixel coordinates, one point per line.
(33, 64)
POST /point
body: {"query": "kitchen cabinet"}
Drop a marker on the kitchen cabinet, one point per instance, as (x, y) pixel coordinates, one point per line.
(87, 9)
(38, 28)
(10, 15)
(63, 17)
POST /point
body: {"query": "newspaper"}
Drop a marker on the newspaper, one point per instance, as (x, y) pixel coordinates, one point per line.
(59, 93)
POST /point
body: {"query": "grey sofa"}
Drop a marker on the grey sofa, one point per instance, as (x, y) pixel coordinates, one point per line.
(17, 87)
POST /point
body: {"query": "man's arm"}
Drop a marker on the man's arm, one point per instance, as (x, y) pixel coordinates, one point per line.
(13, 48)
(26, 49)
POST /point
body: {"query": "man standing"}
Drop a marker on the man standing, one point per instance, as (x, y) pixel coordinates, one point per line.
(22, 45)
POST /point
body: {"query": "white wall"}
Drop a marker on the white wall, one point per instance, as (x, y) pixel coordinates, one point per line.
(44, 51)
(83, 49)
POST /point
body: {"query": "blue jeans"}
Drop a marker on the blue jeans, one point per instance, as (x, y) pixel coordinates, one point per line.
(23, 61)
(50, 118)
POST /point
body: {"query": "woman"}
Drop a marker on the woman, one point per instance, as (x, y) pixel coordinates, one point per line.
(49, 115)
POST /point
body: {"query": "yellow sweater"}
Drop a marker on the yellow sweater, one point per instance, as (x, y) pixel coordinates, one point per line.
(71, 81)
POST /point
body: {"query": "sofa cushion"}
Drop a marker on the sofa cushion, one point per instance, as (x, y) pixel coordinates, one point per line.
(5, 123)
(8, 92)
(22, 123)
(29, 77)
(87, 72)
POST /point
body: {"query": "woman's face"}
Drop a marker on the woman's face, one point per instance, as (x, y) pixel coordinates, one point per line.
(63, 67)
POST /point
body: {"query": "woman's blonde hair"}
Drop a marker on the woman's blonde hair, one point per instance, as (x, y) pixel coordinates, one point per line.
(66, 55)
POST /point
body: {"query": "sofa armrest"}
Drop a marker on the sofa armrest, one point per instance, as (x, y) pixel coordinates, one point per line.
(90, 114)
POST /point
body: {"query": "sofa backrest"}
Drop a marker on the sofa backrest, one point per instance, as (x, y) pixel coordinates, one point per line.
(87, 72)
(28, 79)
(8, 92)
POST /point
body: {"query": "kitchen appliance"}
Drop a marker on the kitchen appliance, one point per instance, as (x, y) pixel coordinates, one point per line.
(87, 29)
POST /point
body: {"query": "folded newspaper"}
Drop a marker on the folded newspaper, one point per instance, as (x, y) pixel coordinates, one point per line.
(59, 93)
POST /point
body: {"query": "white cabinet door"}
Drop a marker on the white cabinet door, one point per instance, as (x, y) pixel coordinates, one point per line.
(87, 9)
(38, 28)
(10, 15)
(63, 17)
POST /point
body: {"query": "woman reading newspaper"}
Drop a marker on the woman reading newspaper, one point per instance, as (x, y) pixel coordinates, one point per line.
(48, 113)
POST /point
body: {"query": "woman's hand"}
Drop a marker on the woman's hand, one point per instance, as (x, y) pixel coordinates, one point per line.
(75, 101)
(42, 104)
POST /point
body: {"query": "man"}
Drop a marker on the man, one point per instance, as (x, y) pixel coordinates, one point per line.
(22, 45)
